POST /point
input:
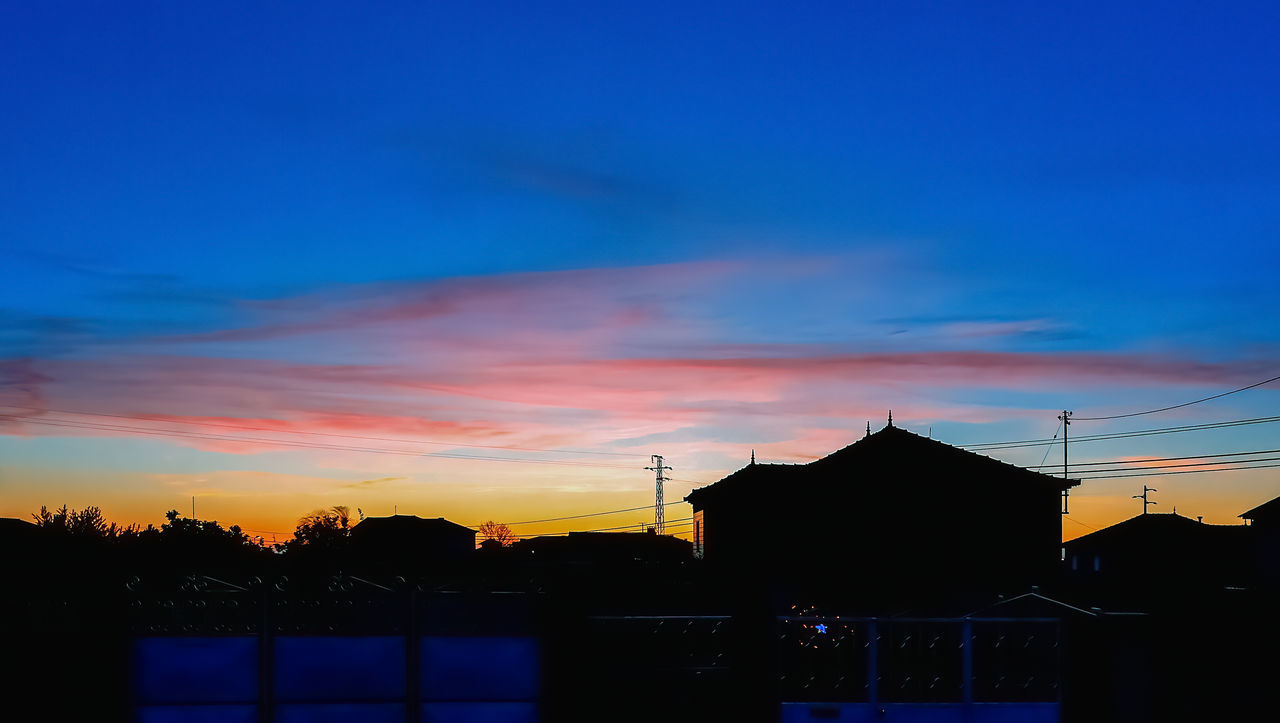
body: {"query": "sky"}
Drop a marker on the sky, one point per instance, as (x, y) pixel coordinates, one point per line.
(480, 261)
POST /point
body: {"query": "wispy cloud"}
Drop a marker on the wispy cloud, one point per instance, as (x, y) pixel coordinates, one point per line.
(364, 484)
(550, 360)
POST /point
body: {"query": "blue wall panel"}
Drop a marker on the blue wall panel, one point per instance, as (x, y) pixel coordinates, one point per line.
(480, 669)
(340, 713)
(480, 713)
(195, 670)
(314, 669)
(197, 714)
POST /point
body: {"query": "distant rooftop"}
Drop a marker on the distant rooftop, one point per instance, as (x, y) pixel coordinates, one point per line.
(1265, 511)
(409, 523)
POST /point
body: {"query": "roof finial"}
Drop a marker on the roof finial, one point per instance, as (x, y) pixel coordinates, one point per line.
(868, 427)
(890, 417)
(753, 456)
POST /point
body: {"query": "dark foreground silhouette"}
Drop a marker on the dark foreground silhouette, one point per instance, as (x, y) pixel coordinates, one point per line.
(883, 582)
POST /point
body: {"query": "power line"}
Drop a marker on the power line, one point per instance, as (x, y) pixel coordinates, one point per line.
(588, 514)
(1016, 444)
(1177, 406)
(682, 522)
(169, 420)
(1168, 459)
(527, 522)
(1189, 471)
(1175, 466)
(1078, 522)
(626, 527)
(1049, 447)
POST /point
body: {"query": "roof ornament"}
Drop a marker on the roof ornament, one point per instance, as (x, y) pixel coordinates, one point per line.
(868, 427)
(753, 456)
(890, 417)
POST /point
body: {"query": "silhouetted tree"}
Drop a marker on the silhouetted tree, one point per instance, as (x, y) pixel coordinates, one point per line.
(497, 531)
(187, 528)
(86, 523)
(51, 521)
(327, 530)
(185, 546)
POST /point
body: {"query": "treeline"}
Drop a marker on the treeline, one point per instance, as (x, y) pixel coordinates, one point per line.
(322, 528)
(83, 545)
(69, 548)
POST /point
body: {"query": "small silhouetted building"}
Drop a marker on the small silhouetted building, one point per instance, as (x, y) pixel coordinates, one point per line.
(605, 551)
(1265, 515)
(14, 531)
(412, 541)
(21, 547)
(1162, 550)
(892, 511)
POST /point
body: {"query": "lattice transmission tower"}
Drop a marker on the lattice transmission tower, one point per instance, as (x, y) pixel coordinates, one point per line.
(659, 469)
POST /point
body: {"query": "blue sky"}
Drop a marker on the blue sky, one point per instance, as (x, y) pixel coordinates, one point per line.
(402, 196)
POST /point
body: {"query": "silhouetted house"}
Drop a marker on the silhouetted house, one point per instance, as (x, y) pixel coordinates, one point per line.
(1160, 551)
(21, 545)
(14, 531)
(1264, 520)
(412, 541)
(893, 511)
(1265, 515)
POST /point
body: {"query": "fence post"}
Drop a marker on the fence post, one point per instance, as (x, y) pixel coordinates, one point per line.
(966, 662)
(266, 712)
(873, 663)
(413, 660)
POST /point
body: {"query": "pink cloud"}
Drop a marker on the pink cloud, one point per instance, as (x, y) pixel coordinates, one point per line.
(463, 405)
(556, 359)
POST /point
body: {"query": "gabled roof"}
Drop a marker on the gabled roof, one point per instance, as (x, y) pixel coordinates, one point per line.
(1032, 601)
(1265, 511)
(408, 525)
(889, 446)
(1157, 528)
(894, 443)
(753, 477)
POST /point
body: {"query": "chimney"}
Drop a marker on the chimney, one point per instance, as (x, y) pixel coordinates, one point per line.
(1200, 519)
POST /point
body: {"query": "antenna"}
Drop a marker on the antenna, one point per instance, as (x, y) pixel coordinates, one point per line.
(659, 525)
(193, 507)
(1143, 497)
(1065, 418)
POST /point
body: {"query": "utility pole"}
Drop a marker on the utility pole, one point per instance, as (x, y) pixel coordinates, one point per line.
(1065, 418)
(659, 469)
(1143, 497)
